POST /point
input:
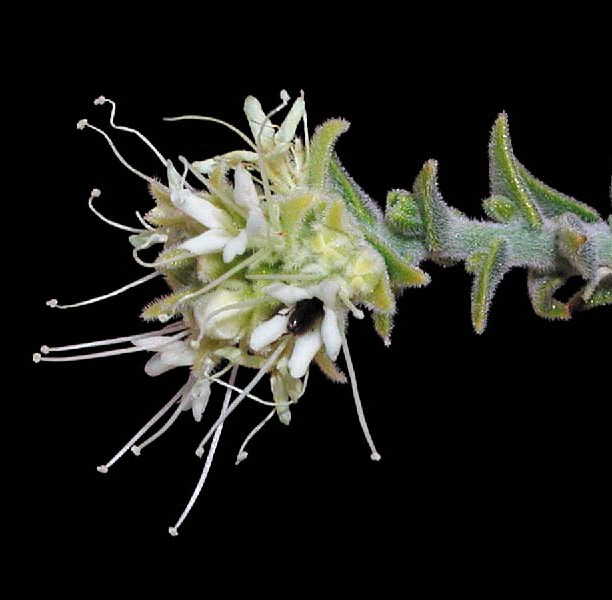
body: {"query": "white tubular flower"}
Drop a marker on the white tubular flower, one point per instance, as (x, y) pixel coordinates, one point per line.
(168, 354)
(311, 329)
(220, 235)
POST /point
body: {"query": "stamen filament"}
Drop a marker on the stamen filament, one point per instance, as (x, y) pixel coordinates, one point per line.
(245, 392)
(95, 193)
(242, 453)
(119, 340)
(145, 224)
(136, 449)
(362, 421)
(84, 123)
(213, 120)
(102, 100)
(211, 453)
(156, 417)
(53, 302)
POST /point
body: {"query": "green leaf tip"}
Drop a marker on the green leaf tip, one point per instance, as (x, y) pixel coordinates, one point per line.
(542, 288)
(488, 267)
(504, 175)
(321, 147)
(433, 211)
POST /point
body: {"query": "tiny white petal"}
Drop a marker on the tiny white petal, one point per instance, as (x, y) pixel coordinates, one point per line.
(256, 222)
(207, 242)
(200, 394)
(288, 294)
(327, 291)
(201, 210)
(268, 332)
(235, 247)
(155, 366)
(256, 117)
(245, 192)
(179, 354)
(330, 332)
(306, 346)
(289, 126)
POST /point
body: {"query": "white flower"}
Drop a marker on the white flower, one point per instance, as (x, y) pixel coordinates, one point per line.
(169, 353)
(220, 236)
(324, 333)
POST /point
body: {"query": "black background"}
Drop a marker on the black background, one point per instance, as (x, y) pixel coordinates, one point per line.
(494, 446)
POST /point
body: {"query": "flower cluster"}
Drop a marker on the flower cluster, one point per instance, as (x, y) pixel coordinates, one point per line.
(265, 265)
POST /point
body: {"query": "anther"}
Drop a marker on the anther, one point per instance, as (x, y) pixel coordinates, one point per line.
(45, 349)
(36, 357)
(102, 469)
(52, 303)
(82, 124)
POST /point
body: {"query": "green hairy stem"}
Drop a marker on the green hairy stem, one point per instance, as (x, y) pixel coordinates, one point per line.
(532, 226)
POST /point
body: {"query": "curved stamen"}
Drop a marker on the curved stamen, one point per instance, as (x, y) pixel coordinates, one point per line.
(84, 123)
(211, 453)
(213, 120)
(242, 453)
(102, 100)
(142, 220)
(156, 417)
(95, 193)
(245, 392)
(118, 340)
(362, 421)
(54, 304)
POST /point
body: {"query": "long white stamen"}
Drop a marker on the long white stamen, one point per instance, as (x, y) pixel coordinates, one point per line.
(213, 120)
(95, 193)
(242, 453)
(102, 100)
(257, 399)
(37, 357)
(118, 340)
(211, 453)
(53, 302)
(245, 392)
(157, 263)
(156, 417)
(145, 224)
(229, 273)
(84, 123)
(362, 421)
(136, 449)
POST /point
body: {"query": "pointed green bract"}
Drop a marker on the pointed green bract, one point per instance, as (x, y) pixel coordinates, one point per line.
(542, 288)
(383, 323)
(433, 211)
(503, 171)
(553, 203)
(500, 209)
(488, 268)
(359, 206)
(321, 147)
(402, 213)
